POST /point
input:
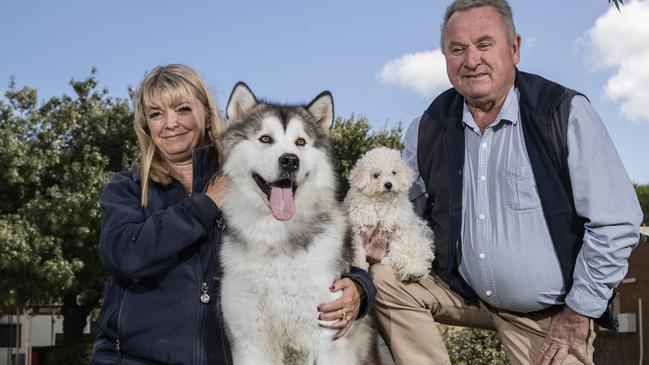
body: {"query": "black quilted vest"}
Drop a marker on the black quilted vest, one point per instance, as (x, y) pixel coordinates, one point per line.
(544, 112)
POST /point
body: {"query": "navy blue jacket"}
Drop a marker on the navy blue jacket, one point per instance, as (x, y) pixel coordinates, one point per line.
(162, 258)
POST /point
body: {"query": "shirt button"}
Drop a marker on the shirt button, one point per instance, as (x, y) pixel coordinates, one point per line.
(482, 217)
(482, 256)
(483, 178)
(484, 145)
(488, 293)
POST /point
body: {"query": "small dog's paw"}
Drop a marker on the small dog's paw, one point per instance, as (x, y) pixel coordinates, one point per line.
(411, 276)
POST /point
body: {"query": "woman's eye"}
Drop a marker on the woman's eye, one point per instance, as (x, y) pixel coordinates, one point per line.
(184, 109)
(300, 142)
(376, 175)
(265, 139)
(154, 115)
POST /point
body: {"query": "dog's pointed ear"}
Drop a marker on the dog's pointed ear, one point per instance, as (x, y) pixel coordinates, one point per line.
(241, 101)
(322, 109)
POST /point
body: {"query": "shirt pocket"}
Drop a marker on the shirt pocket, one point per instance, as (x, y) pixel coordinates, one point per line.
(519, 190)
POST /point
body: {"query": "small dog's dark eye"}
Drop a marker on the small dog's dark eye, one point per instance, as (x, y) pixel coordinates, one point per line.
(394, 172)
(300, 142)
(265, 139)
(376, 175)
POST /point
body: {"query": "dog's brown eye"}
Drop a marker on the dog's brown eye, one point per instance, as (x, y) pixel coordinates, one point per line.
(300, 142)
(376, 175)
(265, 139)
(394, 172)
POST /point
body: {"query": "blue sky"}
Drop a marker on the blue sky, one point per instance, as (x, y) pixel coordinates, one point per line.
(291, 50)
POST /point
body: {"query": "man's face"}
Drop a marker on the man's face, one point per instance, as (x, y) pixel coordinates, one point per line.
(480, 61)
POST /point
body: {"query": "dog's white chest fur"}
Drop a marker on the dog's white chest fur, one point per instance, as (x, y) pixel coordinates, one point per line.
(283, 247)
(378, 198)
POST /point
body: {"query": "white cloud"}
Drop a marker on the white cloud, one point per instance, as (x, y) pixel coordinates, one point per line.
(424, 72)
(621, 41)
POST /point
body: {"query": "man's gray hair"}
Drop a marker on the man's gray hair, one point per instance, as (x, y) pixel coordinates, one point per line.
(501, 6)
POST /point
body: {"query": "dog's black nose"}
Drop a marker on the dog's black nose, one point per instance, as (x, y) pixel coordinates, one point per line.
(388, 185)
(289, 162)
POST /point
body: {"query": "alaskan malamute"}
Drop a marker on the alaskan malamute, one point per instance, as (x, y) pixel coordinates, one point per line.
(285, 239)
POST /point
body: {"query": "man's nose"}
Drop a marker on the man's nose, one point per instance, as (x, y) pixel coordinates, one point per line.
(472, 57)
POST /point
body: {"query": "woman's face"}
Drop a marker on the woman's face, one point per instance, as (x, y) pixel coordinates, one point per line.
(176, 129)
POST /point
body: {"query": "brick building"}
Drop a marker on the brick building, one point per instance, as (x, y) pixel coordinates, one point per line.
(632, 307)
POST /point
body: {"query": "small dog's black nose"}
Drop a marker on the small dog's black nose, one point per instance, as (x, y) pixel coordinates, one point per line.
(289, 162)
(388, 185)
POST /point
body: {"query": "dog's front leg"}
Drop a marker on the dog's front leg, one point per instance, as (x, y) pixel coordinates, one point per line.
(360, 255)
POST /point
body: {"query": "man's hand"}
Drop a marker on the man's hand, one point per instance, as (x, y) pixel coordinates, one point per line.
(342, 310)
(375, 243)
(567, 334)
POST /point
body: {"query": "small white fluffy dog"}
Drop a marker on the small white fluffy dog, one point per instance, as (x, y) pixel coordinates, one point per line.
(378, 197)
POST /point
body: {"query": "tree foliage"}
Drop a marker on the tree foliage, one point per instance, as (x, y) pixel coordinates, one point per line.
(353, 137)
(55, 158)
(617, 3)
(643, 196)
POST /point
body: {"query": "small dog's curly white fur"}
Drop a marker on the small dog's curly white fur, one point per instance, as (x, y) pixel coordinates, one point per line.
(378, 197)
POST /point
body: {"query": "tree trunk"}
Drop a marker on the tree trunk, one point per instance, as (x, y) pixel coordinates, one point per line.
(74, 318)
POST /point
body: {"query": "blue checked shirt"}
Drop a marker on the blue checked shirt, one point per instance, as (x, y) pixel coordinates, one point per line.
(507, 254)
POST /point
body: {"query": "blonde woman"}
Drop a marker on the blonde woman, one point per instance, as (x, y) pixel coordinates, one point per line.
(162, 230)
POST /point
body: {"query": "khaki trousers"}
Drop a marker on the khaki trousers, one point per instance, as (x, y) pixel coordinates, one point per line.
(407, 315)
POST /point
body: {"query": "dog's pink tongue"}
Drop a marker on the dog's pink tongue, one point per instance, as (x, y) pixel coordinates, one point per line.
(281, 203)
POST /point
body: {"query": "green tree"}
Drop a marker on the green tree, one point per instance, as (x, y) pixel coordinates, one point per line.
(55, 158)
(617, 3)
(353, 137)
(643, 196)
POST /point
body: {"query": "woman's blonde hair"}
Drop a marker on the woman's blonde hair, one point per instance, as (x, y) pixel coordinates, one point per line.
(175, 84)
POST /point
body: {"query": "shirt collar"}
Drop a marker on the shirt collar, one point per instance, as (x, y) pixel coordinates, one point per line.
(508, 112)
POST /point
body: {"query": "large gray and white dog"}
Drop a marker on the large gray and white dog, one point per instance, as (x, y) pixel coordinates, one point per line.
(285, 238)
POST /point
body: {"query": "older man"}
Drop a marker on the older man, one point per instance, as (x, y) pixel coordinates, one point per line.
(533, 212)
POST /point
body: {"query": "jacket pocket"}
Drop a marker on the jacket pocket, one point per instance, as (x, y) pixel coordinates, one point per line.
(519, 190)
(110, 307)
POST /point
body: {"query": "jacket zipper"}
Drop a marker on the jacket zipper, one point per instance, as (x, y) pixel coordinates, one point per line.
(119, 320)
(204, 298)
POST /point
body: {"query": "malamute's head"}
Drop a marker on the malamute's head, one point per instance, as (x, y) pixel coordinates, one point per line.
(381, 172)
(279, 152)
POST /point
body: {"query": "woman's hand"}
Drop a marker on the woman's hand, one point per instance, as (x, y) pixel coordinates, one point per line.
(217, 188)
(344, 309)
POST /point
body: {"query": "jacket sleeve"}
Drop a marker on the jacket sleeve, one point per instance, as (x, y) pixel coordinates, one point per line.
(362, 278)
(133, 246)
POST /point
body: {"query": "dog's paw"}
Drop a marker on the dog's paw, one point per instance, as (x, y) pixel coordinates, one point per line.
(408, 276)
